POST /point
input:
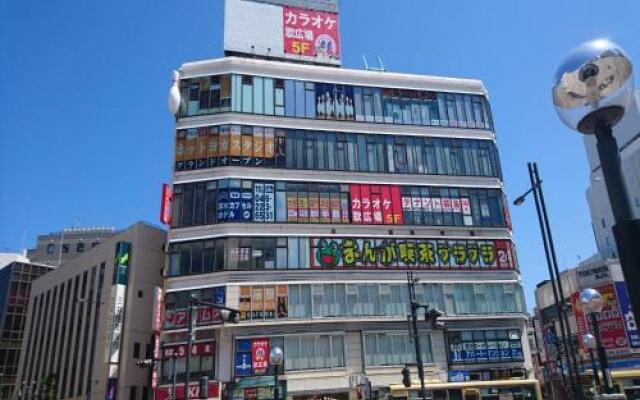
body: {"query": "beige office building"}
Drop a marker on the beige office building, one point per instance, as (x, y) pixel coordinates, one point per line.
(90, 320)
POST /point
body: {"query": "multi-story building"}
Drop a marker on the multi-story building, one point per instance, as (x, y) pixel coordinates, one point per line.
(90, 320)
(627, 133)
(616, 323)
(302, 194)
(56, 248)
(16, 276)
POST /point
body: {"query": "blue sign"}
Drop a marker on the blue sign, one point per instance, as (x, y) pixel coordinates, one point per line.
(243, 364)
(223, 198)
(459, 376)
(219, 295)
(625, 308)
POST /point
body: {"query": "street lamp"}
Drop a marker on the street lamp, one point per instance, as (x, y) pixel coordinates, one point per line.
(591, 343)
(554, 275)
(592, 89)
(591, 303)
(276, 357)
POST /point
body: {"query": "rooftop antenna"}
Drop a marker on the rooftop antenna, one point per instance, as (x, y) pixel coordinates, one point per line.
(379, 68)
(366, 66)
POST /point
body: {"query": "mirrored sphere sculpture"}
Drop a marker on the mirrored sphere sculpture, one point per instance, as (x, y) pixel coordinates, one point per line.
(594, 83)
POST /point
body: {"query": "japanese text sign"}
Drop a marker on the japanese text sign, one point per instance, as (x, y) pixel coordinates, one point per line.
(310, 33)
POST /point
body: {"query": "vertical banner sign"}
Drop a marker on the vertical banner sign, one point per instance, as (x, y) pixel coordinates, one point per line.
(387, 211)
(258, 202)
(367, 215)
(630, 321)
(269, 202)
(260, 355)
(356, 204)
(376, 204)
(396, 204)
(311, 33)
(166, 204)
(121, 263)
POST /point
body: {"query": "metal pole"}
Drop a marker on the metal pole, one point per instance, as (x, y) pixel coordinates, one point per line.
(174, 377)
(596, 376)
(276, 391)
(602, 355)
(572, 360)
(189, 345)
(416, 337)
(626, 230)
(545, 241)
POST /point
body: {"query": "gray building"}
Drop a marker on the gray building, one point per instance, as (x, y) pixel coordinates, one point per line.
(16, 277)
(56, 248)
(627, 133)
(302, 194)
(90, 320)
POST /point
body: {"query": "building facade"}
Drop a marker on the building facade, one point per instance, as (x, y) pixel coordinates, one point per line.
(16, 276)
(627, 134)
(616, 323)
(90, 320)
(56, 248)
(302, 194)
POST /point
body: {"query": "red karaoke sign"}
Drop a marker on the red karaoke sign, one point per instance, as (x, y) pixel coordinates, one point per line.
(310, 33)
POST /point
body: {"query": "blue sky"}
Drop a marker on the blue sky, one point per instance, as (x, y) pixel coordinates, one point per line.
(86, 139)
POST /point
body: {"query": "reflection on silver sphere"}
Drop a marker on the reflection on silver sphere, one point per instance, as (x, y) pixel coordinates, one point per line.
(276, 356)
(590, 301)
(593, 83)
(589, 341)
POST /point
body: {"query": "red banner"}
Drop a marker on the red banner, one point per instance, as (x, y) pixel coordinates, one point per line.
(260, 355)
(310, 33)
(164, 393)
(610, 321)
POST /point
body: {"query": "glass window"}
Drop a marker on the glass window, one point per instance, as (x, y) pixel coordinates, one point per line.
(300, 99)
(258, 95)
(289, 98)
(247, 94)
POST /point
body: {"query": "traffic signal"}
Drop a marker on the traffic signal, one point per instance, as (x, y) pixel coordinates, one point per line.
(406, 377)
(148, 363)
(432, 316)
(230, 315)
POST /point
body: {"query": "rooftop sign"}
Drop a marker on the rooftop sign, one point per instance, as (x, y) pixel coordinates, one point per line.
(294, 30)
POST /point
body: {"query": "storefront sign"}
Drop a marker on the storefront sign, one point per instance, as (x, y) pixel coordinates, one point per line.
(610, 321)
(459, 376)
(264, 202)
(311, 33)
(630, 321)
(197, 349)
(164, 393)
(427, 253)
(260, 355)
(205, 315)
(592, 276)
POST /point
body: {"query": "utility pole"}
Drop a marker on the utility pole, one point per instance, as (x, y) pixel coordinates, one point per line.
(414, 333)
